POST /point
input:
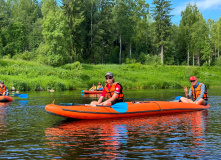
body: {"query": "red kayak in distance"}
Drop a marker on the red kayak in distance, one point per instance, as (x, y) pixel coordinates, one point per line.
(91, 92)
(6, 99)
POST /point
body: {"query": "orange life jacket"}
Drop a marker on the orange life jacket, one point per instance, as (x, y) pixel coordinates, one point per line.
(2, 89)
(196, 92)
(110, 92)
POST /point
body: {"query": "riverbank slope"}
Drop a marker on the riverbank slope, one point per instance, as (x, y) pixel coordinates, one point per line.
(25, 75)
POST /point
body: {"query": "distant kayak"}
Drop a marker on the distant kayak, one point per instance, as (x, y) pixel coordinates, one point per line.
(6, 99)
(91, 92)
(122, 109)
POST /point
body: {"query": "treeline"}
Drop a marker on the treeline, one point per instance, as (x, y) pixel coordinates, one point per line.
(106, 32)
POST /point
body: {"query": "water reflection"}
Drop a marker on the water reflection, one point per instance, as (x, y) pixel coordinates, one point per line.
(4, 104)
(166, 136)
(3, 118)
(93, 96)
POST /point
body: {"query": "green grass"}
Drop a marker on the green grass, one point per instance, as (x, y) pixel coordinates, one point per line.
(24, 75)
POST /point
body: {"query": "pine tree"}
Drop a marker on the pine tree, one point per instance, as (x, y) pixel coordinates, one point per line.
(162, 24)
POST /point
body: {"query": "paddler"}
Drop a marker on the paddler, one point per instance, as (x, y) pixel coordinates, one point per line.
(197, 92)
(113, 89)
(3, 89)
(93, 88)
(99, 87)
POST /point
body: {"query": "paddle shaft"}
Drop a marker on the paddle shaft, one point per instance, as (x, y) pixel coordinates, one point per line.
(77, 104)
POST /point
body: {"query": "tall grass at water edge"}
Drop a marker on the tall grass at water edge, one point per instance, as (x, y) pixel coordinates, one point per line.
(24, 75)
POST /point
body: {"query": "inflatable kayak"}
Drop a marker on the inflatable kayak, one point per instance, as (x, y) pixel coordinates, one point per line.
(122, 109)
(6, 99)
(91, 92)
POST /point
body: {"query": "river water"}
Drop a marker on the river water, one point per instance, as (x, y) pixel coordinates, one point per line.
(27, 131)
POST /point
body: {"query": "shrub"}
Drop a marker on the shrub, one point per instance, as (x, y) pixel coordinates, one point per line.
(73, 66)
(218, 61)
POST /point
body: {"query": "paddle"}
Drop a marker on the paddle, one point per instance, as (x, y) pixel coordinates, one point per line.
(178, 98)
(21, 95)
(119, 107)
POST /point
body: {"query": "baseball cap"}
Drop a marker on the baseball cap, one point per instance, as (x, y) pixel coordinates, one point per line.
(193, 78)
(109, 74)
(1, 82)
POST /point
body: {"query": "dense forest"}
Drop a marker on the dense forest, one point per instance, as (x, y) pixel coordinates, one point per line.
(107, 32)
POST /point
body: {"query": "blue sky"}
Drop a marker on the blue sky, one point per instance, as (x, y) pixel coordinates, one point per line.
(209, 8)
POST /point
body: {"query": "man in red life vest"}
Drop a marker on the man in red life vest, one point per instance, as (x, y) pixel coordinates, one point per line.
(113, 89)
(198, 92)
(3, 89)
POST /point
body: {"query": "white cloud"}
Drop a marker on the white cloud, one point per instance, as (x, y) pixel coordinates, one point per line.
(208, 4)
(201, 5)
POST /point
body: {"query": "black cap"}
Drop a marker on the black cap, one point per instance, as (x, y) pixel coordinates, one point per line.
(1, 82)
(109, 74)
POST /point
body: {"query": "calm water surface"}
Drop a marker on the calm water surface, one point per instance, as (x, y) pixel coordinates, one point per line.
(27, 131)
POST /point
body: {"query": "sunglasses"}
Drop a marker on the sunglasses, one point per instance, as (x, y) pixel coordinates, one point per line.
(109, 77)
(193, 81)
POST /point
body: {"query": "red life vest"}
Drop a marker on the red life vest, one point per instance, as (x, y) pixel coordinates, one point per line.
(196, 92)
(110, 92)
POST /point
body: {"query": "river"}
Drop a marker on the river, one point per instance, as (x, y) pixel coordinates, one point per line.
(27, 131)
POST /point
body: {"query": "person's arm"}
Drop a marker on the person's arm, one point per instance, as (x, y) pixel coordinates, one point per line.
(102, 96)
(6, 90)
(189, 94)
(203, 91)
(186, 91)
(100, 99)
(111, 99)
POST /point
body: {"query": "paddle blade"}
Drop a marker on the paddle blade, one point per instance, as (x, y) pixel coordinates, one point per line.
(178, 98)
(120, 107)
(21, 95)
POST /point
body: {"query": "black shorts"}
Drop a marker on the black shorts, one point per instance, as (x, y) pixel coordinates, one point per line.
(116, 101)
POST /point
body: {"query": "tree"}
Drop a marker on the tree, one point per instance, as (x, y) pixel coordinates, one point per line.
(139, 31)
(200, 40)
(17, 18)
(54, 49)
(162, 24)
(73, 12)
(189, 16)
(4, 22)
(121, 21)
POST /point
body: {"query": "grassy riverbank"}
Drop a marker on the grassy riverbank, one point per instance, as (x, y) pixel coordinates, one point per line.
(24, 75)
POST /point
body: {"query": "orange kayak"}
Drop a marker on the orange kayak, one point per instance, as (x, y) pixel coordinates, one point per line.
(122, 109)
(92, 92)
(6, 99)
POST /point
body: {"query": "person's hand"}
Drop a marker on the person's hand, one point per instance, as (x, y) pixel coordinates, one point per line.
(94, 103)
(186, 90)
(106, 103)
